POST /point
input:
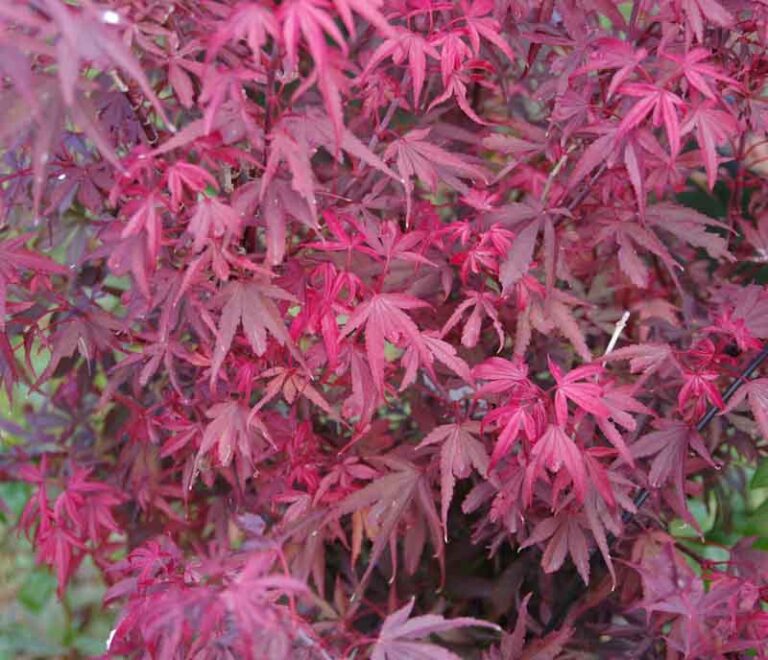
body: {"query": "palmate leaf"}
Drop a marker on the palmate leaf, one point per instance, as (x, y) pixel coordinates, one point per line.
(439, 350)
(656, 103)
(502, 375)
(620, 403)
(698, 12)
(15, 259)
(566, 537)
(644, 358)
(578, 387)
(690, 226)
(750, 307)
(400, 635)
(232, 431)
(88, 333)
(250, 22)
(292, 383)
(693, 607)
(482, 304)
(480, 24)
(384, 318)
(252, 305)
(385, 502)
(529, 219)
(364, 396)
(368, 9)
(553, 451)
(611, 53)
(756, 393)
(310, 20)
(600, 150)
(283, 146)
(406, 44)
(294, 141)
(457, 88)
(700, 74)
(460, 451)
(183, 175)
(556, 311)
(630, 236)
(146, 219)
(712, 127)
(670, 445)
(415, 155)
(252, 599)
(518, 260)
(213, 219)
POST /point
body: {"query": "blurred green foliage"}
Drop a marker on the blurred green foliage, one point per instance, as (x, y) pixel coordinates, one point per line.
(736, 510)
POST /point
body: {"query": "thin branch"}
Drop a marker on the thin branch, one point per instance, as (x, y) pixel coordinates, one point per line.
(384, 123)
(582, 195)
(553, 174)
(136, 102)
(378, 132)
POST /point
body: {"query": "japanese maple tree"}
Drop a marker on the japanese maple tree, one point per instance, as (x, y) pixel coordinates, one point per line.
(389, 328)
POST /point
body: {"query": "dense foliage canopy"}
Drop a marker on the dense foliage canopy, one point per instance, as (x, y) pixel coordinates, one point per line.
(381, 328)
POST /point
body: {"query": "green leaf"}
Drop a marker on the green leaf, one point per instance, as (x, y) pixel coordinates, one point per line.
(24, 644)
(90, 646)
(626, 10)
(37, 590)
(756, 523)
(14, 495)
(705, 515)
(760, 478)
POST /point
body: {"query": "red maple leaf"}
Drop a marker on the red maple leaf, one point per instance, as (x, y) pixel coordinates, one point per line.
(385, 502)
(14, 259)
(252, 304)
(399, 46)
(657, 103)
(233, 433)
(670, 445)
(699, 11)
(399, 636)
(459, 453)
(612, 53)
(756, 394)
(553, 451)
(183, 175)
(213, 219)
(481, 24)
(566, 536)
(571, 387)
(311, 20)
(415, 155)
(713, 127)
(247, 21)
(384, 319)
(503, 375)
